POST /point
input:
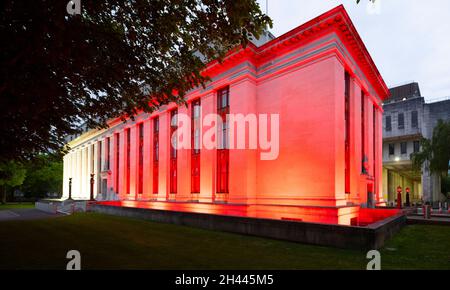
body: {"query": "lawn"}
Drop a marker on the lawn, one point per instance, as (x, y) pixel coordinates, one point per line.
(109, 242)
(16, 205)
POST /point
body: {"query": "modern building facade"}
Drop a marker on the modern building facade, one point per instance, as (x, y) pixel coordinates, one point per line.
(407, 119)
(322, 95)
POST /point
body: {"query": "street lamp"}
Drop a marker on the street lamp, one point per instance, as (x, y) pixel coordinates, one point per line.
(92, 187)
(70, 188)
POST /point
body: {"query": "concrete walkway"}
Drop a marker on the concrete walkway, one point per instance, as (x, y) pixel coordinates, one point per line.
(434, 220)
(25, 214)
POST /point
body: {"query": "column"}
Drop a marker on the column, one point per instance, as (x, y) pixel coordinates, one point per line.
(95, 169)
(163, 155)
(65, 174)
(208, 158)
(148, 161)
(134, 142)
(242, 170)
(77, 181)
(122, 165)
(184, 159)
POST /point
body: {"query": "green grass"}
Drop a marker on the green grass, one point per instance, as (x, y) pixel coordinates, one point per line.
(109, 242)
(16, 205)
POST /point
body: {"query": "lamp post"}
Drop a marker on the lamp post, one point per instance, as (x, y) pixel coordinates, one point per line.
(70, 188)
(407, 196)
(399, 196)
(92, 187)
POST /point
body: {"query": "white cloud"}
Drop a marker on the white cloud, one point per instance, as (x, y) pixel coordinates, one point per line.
(408, 39)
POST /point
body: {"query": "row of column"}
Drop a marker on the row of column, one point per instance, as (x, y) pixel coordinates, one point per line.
(369, 142)
(111, 181)
(78, 165)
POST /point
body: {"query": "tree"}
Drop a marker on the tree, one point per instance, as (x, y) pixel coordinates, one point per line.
(45, 174)
(115, 59)
(12, 174)
(435, 152)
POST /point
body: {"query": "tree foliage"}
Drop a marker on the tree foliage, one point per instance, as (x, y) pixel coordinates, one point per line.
(115, 59)
(12, 174)
(436, 151)
(44, 175)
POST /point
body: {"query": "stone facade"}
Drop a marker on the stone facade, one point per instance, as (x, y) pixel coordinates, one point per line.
(419, 119)
(321, 82)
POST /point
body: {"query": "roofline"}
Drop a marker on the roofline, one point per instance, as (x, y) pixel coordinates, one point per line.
(337, 18)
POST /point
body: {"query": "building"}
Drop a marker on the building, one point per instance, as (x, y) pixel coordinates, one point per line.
(322, 93)
(407, 119)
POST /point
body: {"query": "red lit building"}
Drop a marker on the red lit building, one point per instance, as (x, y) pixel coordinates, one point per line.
(320, 80)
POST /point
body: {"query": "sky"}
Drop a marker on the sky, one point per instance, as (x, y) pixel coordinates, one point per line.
(409, 40)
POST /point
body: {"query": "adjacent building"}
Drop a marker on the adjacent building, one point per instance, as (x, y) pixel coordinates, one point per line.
(317, 80)
(407, 119)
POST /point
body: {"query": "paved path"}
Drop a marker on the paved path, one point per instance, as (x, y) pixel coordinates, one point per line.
(25, 214)
(434, 220)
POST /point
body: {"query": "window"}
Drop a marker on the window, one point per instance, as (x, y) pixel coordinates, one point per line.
(414, 119)
(401, 121)
(347, 132)
(117, 161)
(108, 157)
(155, 154)
(127, 132)
(374, 139)
(388, 123)
(403, 148)
(173, 151)
(195, 143)
(416, 146)
(391, 149)
(363, 126)
(223, 109)
(141, 159)
(99, 164)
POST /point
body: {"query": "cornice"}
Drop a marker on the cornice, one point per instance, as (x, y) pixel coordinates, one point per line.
(336, 20)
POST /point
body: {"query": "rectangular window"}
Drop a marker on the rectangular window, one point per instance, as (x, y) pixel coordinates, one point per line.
(347, 132)
(416, 146)
(388, 123)
(195, 143)
(141, 159)
(128, 156)
(108, 156)
(374, 145)
(99, 165)
(414, 119)
(173, 151)
(403, 148)
(391, 149)
(155, 154)
(117, 161)
(401, 121)
(363, 126)
(223, 154)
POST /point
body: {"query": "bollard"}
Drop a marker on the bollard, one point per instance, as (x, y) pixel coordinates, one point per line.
(399, 197)
(426, 211)
(92, 187)
(70, 188)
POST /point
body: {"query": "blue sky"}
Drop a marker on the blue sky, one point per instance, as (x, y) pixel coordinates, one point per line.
(409, 40)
